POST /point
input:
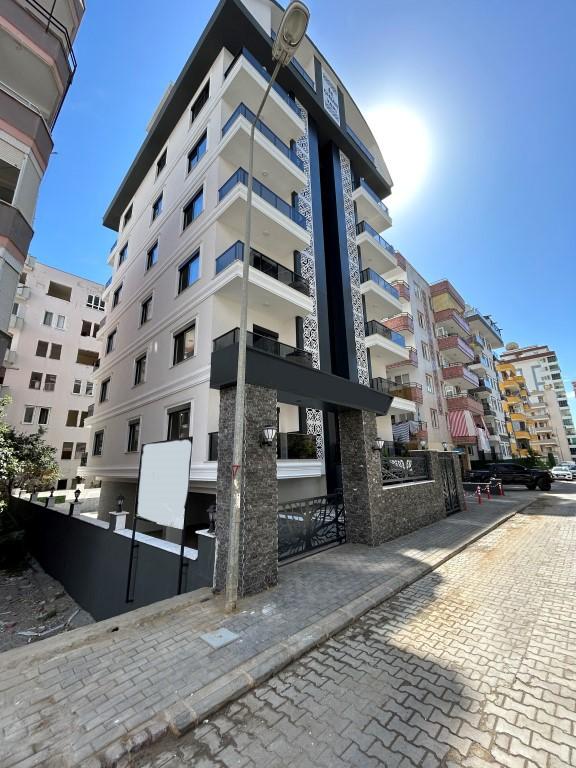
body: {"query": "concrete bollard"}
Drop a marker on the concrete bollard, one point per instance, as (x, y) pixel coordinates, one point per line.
(479, 495)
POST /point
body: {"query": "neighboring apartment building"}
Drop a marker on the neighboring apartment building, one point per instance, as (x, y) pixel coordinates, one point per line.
(318, 277)
(50, 364)
(539, 367)
(36, 68)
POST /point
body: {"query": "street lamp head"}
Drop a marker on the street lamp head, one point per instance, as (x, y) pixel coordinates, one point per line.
(290, 32)
(378, 444)
(267, 435)
(445, 445)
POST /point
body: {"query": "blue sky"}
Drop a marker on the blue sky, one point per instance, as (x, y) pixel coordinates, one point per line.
(492, 83)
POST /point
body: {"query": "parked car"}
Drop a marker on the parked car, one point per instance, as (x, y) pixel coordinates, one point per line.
(569, 465)
(512, 474)
(563, 473)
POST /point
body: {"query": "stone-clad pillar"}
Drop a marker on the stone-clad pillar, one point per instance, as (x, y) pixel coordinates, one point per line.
(361, 477)
(258, 567)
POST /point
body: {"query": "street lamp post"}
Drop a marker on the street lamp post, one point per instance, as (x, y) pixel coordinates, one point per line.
(290, 34)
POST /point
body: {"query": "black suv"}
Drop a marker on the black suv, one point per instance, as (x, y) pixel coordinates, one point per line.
(512, 474)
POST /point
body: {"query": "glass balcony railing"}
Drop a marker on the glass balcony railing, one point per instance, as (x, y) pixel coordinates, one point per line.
(368, 189)
(359, 143)
(264, 344)
(363, 226)
(263, 264)
(374, 327)
(265, 74)
(241, 177)
(242, 110)
(296, 445)
(370, 275)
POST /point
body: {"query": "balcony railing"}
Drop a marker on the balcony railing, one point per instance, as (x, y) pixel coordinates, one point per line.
(370, 275)
(401, 322)
(51, 21)
(375, 327)
(484, 384)
(408, 391)
(359, 143)
(263, 264)
(481, 360)
(448, 341)
(412, 359)
(264, 344)
(488, 320)
(451, 315)
(241, 177)
(295, 445)
(403, 289)
(408, 469)
(368, 189)
(263, 71)
(363, 226)
(456, 370)
(242, 110)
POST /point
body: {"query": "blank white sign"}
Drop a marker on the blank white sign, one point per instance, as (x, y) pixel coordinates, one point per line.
(163, 482)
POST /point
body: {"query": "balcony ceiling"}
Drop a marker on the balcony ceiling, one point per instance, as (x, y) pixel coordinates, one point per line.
(374, 255)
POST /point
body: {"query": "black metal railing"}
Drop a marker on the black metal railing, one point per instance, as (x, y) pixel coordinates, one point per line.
(363, 226)
(404, 469)
(241, 177)
(359, 143)
(290, 101)
(263, 264)
(296, 445)
(264, 344)
(410, 390)
(309, 524)
(52, 21)
(373, 326)
(370, 275)
(243, 110)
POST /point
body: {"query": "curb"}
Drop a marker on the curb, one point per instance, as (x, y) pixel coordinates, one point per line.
(186, 714)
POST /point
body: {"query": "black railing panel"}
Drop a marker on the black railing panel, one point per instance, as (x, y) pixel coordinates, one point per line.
(309, 524)
(404, 469)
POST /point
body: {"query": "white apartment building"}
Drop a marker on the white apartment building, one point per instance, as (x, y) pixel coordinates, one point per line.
(48, 370)
(37, 64)
(539, 366)
(319, 288)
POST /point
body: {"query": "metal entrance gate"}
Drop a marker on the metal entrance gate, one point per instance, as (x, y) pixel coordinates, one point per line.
(449, 483)
(309, 524)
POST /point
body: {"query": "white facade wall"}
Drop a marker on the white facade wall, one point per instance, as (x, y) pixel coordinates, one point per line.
(32, 302)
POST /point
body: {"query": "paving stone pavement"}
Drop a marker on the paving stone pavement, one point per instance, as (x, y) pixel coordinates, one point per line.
(473, 665)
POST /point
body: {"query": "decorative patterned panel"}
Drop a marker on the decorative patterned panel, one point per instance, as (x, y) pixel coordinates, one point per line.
(354, 267)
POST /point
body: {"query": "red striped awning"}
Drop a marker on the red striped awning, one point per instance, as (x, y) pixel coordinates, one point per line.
(461, 424)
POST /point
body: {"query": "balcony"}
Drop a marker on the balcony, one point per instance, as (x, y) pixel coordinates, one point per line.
(22, 293)
(464, 402)
(460, 376)
(488, 410)
(15, 228)
(409, 391)
(273, 219)
(412, 359)
(403, 289)
(404, 322)
(24, 117)
(16, 322)
(381, 298)
(452, 322)
(445, 296)
(377, 253)
(386, 346)
(481, 365)
(246, 80)
(10, 358)
(273, 159)
(484, 325)
(454, 349)
(264, 344)
(271, 284)
(370, 208)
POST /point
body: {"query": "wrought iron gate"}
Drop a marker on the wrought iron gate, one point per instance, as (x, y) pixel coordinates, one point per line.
(449, 483)
(309, 524)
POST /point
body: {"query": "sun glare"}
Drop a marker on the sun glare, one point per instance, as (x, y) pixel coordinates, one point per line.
(405, 144)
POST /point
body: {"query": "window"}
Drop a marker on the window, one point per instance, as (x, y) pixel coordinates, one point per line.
(421, 320)
(198, 151)
(89, 388)
(104, 390)
(425, 351)
(402, 378)
(80, 450)
(199, 103)
(188, 273)
(133, 436)
(55, 351)
(50, 382)
(83, 417)
(152, 256)
(59, 291)
(72, 419)
(98, 443)
(434, 418)
(161, 163)
(123, 254)
(86, 329)
(429, 384)
(179, 423)
(28, 417)
(87, 357)
(43, 416)
(35, 380)
(127, 215)
(61, 484)
(110, 342)
(140, 370)
(184, 343)
(95, 302)
(193, 209)
(77, 387)
(42, 349)
(157, 207)
(67, 451)
(116, 296)
(146, 310)
(48, 317)
(60, 322)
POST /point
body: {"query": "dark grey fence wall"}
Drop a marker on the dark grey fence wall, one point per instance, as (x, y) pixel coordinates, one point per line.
(91, 562)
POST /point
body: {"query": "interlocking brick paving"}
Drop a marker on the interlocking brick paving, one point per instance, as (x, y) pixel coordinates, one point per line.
(473, 665)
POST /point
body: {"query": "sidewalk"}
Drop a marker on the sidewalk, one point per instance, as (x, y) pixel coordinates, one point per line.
(114, 686)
